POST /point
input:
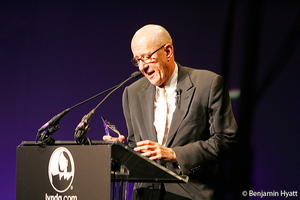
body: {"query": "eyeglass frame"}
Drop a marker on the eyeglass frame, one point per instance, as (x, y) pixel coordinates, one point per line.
(136, 62)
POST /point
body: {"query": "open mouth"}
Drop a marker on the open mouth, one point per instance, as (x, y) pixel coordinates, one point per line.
(150, 73)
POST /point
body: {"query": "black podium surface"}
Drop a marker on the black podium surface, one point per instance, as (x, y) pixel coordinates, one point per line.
(70, 171)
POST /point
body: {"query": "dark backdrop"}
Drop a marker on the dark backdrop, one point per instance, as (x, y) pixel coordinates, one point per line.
(54, 55)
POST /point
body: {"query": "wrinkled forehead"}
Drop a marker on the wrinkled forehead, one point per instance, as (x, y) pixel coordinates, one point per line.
(148, 38)
(142, 46)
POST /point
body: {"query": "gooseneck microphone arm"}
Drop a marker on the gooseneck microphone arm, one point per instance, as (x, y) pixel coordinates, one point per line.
(43, 134)
(83, 126)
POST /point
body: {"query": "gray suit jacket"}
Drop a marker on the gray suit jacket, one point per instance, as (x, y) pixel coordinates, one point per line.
(202, 129)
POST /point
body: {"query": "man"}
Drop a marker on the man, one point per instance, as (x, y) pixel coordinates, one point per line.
(176, 114)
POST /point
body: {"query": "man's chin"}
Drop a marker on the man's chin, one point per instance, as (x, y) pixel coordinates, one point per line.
(156, 83)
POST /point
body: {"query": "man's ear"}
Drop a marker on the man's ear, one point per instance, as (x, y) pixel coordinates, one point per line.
(169, 50)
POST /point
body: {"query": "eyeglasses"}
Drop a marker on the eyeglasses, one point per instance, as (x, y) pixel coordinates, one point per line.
(146, 59)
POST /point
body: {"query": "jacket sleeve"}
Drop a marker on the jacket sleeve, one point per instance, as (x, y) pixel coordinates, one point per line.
(222, 127)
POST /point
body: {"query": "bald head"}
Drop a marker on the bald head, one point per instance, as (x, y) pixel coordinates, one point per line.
(151, 34)
(153, 52)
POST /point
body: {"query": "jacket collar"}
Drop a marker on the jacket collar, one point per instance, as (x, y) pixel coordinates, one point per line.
(185, 89)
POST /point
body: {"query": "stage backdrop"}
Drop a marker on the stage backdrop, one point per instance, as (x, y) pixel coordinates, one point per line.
(54, 55)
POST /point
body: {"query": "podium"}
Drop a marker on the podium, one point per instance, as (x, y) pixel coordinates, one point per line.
(68, 171)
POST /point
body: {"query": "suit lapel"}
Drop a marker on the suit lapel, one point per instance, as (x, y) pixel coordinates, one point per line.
(187, 89)
(146, 97)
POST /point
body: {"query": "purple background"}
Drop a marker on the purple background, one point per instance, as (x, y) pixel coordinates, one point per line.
(54, 55)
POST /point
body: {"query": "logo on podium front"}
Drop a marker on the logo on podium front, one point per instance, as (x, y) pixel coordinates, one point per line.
(61, 169)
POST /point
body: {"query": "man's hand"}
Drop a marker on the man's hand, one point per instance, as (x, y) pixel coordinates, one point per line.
(155, 151)
(121, 138)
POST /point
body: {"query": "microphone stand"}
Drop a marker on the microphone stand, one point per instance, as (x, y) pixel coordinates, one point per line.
(43, 134)
(83, 126)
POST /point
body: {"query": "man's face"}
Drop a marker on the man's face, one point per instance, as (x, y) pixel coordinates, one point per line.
(153, 66)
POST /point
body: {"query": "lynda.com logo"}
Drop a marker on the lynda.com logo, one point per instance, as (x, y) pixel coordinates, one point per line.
(61, 169)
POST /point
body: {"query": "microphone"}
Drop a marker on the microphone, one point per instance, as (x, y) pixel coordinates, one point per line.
(44, 132)
(49, 128)
(83, 126)
(178, 95)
